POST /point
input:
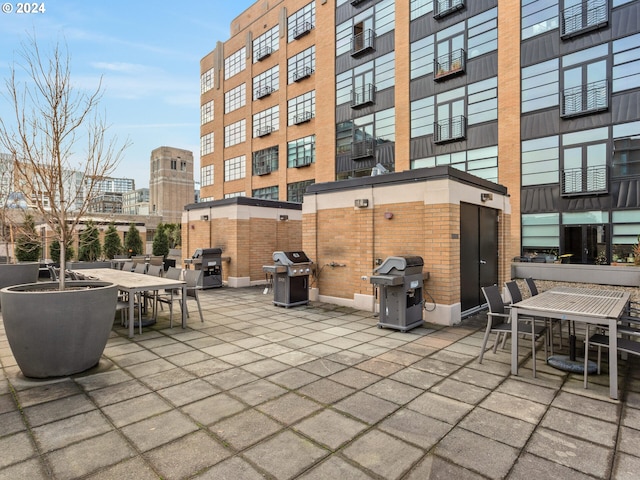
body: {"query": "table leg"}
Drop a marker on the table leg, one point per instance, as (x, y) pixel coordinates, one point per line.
(184, 306)
(514, 341)
(131, 315)
(613, 359)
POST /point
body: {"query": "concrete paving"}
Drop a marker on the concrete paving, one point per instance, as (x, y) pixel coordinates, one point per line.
(314, 392)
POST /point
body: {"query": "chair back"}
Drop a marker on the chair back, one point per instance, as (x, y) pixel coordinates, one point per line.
(192, 278)
(531, 285)
(495, 303)
(140, 268)
(173, 273)
(155, 270)
(128, 266)
(514, 291)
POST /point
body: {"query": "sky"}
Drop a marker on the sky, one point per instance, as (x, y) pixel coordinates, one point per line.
(148, 55)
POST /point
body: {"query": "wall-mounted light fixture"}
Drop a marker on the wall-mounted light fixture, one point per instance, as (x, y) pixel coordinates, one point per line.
(361, 202)
(284, 218)
(388, 215)
(204, 218)
(485, 197)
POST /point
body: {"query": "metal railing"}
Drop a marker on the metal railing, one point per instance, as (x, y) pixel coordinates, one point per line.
(362, 149)
(363, 95)
(263, 53)
(449, 64)
(450, 129)
(264, 91)
(585, 99)
(302, 73)
(363, 41)
(302, 118)
(263, 131)
(302, 29)
(262, 169)
(303, 161)
(586, 180)
(442, 8)
(588, 15)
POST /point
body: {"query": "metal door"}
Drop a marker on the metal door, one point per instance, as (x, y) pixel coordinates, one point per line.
(478, 253)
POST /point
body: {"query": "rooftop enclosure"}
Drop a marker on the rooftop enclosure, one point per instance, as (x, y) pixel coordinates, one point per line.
(248, 230)
(350, 227)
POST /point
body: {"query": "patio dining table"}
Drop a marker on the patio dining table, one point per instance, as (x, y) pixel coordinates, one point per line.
(587, 305)
(133, 283)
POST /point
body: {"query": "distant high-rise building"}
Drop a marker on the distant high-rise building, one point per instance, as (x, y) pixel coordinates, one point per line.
(136, 202)
(171, 184)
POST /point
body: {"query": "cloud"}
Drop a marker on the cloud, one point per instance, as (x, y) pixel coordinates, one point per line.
(121, 67)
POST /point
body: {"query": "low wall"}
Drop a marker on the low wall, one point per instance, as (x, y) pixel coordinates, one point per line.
(560, 272)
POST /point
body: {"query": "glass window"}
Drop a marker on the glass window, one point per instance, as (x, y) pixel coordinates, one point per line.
(206, 81)
(420, 7)
(626, 63)
(266, 44)
(538, 16)
(422, 54)
(206, 112)
(377, 19)
(422, 117)
(540, 231)
(626, 157)
(482, 98)
(235, 133)
(235, 168)
(540, 86)
(384, 71)
(585, 218)
(267, 193)
(295, 191)
(266, 83)
(301, 65)
(265, 161)
(301, 151)
(482, 33)
(235, 194)
(266, 121)
(301, 22)
(235, 98)
(540, 161)
(235, 63)
(206, 144)
(206, 175)
(302, 108)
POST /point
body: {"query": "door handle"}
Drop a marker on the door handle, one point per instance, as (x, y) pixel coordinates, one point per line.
(483, 262)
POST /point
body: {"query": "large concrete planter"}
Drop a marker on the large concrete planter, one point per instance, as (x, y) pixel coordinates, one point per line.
(18, 273)
(55, 333)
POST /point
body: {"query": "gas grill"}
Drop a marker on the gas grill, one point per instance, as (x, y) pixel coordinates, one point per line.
(400, 280)
(209, 260)
(290, 275)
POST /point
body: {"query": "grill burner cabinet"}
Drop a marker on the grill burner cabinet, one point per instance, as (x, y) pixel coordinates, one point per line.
(400, 280)
(209, 260)
(290, 274)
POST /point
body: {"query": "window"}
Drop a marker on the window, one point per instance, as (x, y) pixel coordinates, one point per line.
(206, 81)
(482, 98)
(581, 16)
(626, 226)
(295, 191)
(235, 63)
(265, 161)
(360, 136)
(450, 54)
(302, 65)
(268, 193)
(206, 144)
(540, 232)
(235, 133)
(235, 168)
(206, 112)
(422, 55)
(301, 22)
(174, 164)
(358, 33)
(265, 44)
(419, 8)
(301, 152)
(584, 162)
(266, 83)
(482, 162)
(358, 86)
(540, 86)
(442, 8)
(422, 117)
(482, 33)
(586, 89)
(626, 157)
(266, 121)
(235, 98)
(540, 161)
(538, 16)
(206, 175)
(235, 194)
(183, 166)
(302, 108)
(450, 121)
(626, 63)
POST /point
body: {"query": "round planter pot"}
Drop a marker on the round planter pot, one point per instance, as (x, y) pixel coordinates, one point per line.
(55, 333)
(18, 273)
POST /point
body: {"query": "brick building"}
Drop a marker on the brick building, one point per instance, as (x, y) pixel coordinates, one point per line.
(171, 184)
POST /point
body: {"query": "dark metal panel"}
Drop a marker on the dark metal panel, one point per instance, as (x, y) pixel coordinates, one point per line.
(570, 204)
(422, 87)
(542, 199)
(483, 67)
(421, 147)
(586, 40)
(421, 27)
(483, 135)
(625, 193)
(540, 48)
(625, 20)
(625, 107)
(540, 124)
(469, 257)
(488, 240)
(585, 122)
(384, 154)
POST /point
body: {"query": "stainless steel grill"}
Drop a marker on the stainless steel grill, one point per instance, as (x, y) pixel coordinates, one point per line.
(209, 260)
(290, 274)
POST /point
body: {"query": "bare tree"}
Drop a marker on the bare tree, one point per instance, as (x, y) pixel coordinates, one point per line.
(50, 118)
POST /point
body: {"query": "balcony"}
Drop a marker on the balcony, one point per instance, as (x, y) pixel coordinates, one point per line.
(302, 73)
(303, 161)
(362, 96)
(585, 99)
(442, 8)
(363, 42)
(584, 17)
(264, 131)
(584, 181)
(303, 117)
(263, 53)
(262, 169)
(357, 3)
(450, 129)
(301, 30)
(362, 149)
(453, 63)
(264, 91)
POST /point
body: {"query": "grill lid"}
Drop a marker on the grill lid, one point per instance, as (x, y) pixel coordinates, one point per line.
(206, 251)
(397, 265)
(290, 258)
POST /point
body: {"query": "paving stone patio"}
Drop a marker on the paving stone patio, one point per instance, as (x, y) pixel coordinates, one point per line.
(314, 392)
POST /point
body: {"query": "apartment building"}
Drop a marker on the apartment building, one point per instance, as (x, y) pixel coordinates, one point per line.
(541, 96)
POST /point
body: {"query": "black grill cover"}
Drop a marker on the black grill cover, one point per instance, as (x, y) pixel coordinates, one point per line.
(290, 258)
